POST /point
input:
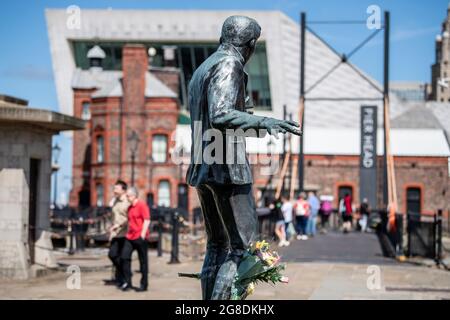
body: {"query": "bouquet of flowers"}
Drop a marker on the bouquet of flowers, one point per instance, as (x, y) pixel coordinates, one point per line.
(259, 264)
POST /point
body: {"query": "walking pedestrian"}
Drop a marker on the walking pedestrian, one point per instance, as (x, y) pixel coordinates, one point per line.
(326, 210)
(279, 223)
(80, 219)
(118, 229)
(287, 209)
(136, 239)
(301, 209)
(364, 210)
(314, 206)
(348, 213)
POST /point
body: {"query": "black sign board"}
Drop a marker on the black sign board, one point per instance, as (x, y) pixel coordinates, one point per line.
(368, 157)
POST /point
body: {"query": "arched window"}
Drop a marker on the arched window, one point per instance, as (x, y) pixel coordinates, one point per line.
(159, 148)
(99, 193)
(164, 193)
(86, 111)
(100, 149)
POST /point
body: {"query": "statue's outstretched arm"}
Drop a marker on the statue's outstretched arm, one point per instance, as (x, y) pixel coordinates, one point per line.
(223, 91)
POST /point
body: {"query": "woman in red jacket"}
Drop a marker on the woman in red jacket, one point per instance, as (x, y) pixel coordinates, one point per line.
(347, 217)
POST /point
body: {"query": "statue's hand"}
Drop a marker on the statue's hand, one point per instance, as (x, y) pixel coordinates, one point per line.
(275, 126)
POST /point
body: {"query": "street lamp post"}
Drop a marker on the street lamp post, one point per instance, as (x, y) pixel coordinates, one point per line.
(56, 150)
(134, 140)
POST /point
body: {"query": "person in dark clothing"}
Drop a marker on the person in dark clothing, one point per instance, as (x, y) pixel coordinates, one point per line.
(278, 218)
(326, 209)
(80, 220)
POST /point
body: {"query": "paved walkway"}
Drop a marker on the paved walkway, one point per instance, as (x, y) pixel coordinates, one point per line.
(337, 247)
(332, 266)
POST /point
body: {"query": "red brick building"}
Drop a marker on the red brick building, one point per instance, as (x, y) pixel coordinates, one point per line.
(124, 106)
(332, 165)
(422, 182)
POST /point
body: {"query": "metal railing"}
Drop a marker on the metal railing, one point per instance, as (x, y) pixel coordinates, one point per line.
(425, 235)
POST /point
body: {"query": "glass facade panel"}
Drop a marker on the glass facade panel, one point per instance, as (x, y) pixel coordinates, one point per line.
(188, 56)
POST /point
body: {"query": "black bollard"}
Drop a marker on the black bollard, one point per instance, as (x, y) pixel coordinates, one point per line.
(175, 230)
(439, 237)
(70, 230)
(160, 231)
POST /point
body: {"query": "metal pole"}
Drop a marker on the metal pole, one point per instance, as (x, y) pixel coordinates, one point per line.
(120, 162)
(385, 100)
(435, 231)
(160, 230)
(132, 169)
(284, 145)
(284, 136)
(408, 230)
(301, 160)
(290, 173)
(70, 230)
(175, 225)
(439, 236)
(55, 192)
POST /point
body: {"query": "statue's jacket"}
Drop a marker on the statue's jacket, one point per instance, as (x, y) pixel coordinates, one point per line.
(217, 104)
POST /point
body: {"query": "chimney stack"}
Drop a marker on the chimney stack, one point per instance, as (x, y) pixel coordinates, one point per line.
(134, 67)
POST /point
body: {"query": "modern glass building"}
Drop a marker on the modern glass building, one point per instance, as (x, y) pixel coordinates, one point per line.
(409, 91)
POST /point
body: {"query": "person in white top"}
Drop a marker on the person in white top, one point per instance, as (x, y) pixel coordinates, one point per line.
(287, 208)
(279, 224)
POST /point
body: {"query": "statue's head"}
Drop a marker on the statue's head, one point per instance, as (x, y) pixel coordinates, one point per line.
(242, 32)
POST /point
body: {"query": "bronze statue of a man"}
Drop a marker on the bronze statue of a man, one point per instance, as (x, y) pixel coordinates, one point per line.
(217, 101)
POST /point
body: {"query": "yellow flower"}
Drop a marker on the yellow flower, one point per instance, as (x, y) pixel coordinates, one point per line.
(261, 245)
(250, 288)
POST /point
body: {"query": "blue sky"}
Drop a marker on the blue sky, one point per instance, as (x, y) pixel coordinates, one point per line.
(25, 62)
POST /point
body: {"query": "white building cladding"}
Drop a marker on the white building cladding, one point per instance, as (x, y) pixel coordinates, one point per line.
(280, 37)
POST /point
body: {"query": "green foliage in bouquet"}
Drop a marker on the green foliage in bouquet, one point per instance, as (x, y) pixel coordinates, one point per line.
(259, 264)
